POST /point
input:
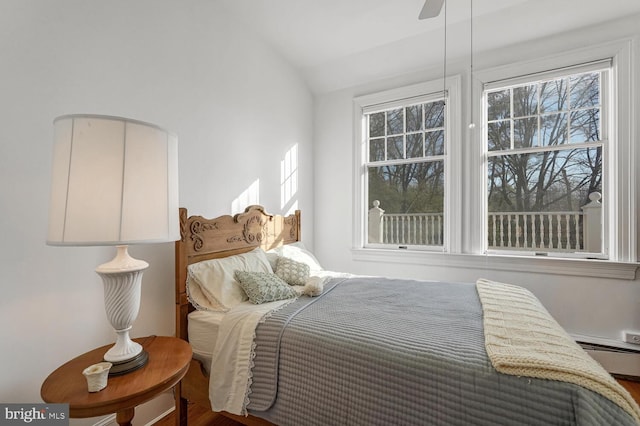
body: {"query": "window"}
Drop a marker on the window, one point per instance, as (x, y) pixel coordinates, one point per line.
(405, 173)
(545, 141)
(554, 145)
(404, 166)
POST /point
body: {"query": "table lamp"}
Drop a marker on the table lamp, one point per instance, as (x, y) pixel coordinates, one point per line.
(114, 182)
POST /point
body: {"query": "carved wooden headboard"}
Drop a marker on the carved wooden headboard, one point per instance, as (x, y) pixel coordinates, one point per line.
(202, 239)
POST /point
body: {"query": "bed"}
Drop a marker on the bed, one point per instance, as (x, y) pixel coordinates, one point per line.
(356, 350)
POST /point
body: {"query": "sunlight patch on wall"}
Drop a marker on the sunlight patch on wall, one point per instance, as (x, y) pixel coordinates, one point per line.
(289, 180)
(249, 196)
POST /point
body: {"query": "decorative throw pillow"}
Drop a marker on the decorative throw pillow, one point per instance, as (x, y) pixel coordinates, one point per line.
(297, 252)
(262, 287)
(294, 273)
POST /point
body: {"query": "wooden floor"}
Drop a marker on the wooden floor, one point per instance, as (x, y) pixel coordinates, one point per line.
(633, 387)
(199, 416)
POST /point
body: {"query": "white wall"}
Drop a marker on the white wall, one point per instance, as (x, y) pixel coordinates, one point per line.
(235, 105)
(596, 307)
(237, 108)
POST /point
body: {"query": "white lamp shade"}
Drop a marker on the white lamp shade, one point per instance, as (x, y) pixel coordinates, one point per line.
(114, 181)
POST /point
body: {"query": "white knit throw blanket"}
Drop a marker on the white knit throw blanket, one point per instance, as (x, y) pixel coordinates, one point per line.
(523, 339)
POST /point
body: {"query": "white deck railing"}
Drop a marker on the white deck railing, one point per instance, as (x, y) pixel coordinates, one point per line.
(413, 229)
(548, 231)
(557, 231)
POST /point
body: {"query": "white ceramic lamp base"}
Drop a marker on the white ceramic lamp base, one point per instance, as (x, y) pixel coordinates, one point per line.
(122, 279)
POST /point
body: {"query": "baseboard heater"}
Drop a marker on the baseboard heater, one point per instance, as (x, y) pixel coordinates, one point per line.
(619, 362)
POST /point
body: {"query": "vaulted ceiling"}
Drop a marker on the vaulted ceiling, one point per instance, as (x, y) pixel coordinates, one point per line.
(320, 36)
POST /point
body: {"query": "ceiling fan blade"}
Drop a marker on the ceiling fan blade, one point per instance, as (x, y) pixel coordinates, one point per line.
(431, 9)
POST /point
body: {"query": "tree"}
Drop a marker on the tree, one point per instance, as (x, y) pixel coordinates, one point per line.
(538, 139)
(402, 174)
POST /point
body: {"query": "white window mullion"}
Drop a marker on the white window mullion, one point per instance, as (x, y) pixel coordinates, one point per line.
(423, 132)
(404, 132)
(512, 121)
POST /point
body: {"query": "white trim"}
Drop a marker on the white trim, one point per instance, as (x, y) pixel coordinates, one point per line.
(401, 102)
(359, 153)
(109, 420)
(604, 341)
(598, 65)
(476, 177)
(540, 265)
(385, 100)
(388, 97)
(624, 168)
(453, 169)
(560, 60)
(161, 416)
(620, 175)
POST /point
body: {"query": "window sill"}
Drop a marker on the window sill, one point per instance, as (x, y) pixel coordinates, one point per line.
(546, 265)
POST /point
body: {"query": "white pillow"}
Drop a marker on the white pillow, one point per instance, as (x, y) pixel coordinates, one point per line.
(272, 257)
(211, 284)
(297, 252)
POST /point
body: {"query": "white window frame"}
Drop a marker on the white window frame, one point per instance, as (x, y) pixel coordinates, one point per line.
(466, 247)
(400, 97)
(604, 66)
(621, 188)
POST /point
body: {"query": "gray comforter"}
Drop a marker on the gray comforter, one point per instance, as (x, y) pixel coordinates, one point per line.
(378, 351)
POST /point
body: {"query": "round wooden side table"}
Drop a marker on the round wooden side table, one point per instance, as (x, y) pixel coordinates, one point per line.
(169, 359)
